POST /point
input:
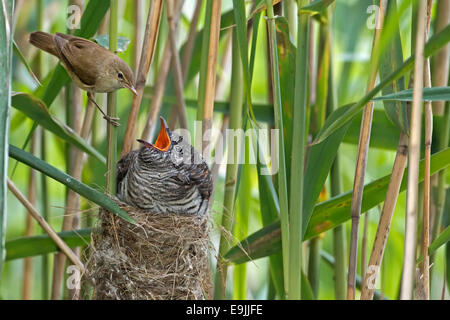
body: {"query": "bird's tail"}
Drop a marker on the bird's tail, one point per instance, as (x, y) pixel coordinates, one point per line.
(44, 41)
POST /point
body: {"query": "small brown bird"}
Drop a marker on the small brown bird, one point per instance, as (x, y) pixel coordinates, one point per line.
(92, 67)
(169, 176)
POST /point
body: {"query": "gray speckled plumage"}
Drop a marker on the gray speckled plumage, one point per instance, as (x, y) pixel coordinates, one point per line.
(174, 181)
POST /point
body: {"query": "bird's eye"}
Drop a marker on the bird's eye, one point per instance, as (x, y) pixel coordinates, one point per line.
(120, 75)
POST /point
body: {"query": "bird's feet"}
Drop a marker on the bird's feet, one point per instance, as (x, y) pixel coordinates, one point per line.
(112, 120)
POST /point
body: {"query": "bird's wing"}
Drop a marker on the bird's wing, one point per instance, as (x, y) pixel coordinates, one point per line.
(123, 166)
(76, 55)
(200, 175)
(195, 172)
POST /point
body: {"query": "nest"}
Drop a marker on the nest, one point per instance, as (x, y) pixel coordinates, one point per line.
(164, 256)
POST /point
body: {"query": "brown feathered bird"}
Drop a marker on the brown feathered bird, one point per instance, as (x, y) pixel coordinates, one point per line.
(169, 176)
(92, 67)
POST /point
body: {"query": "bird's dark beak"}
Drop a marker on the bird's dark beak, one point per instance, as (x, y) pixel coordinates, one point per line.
(131, 88)
(145, 143)
(163, 142)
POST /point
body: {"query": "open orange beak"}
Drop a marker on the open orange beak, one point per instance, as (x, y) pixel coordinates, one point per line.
(162, 143)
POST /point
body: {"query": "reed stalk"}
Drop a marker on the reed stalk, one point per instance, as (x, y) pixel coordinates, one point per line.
(221, 82)
(428, 115)
(314, 265)
(187, 53)
(111, 132)
(32, 184)
(240, 229)
(330, 260)
(364, 244)
(176, 65)
(27, 288)
(161, 80)
(148, 48)
(46, 216)
(376, 257)
(47, 228)
(363, 149)
(137, 33)
(218, 157)
(441, 191)
(210, 76)
(290, 12)
(409, 257)
(282, 179)
(440, 77)
(203, 65)
(394, 57)
(156, 103)
(188, 49)
(441, 59)
(443, 286)
(339, 234)
(318, 105)
(236, 103)
(39, 71)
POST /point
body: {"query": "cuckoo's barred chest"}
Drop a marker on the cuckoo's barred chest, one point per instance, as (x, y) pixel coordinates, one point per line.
(169, 176)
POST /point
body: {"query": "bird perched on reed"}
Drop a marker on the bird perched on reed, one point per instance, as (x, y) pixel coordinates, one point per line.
(169, 176)
(92, 67)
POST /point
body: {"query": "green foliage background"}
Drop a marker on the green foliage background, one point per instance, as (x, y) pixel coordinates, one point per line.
(350, 55)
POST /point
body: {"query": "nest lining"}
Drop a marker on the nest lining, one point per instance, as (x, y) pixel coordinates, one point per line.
(164, 256)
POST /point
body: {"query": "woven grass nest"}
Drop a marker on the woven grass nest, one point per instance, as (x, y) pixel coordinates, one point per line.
(164, 256)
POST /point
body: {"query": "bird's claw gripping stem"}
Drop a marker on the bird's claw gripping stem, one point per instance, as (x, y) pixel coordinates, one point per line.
(112, 120)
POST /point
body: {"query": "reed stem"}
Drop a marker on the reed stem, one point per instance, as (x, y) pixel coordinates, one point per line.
(188, 49)
(240, 229)
(440, 77)
(48, 229)
(210, 77)
(364, 244)
(376, 257)
(236, 103)
(441, 59)
(314, 265)
(148, 48)
(46, 215)
(339, 236)
(176, 65)
(428, 114)
(111, 132)
(156, 103)
(282, 179)
(361, 161)
(298, 159)
(409, 260)
(27, 288)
